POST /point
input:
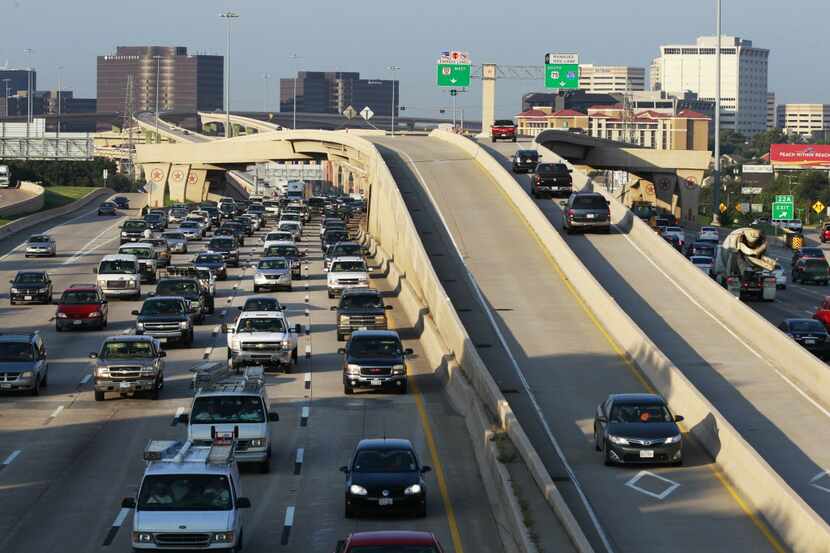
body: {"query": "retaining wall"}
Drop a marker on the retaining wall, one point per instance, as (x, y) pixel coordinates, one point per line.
(30, 204)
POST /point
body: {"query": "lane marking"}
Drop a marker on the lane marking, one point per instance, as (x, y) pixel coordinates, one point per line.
(178, 414)
(287, 524)
(54, 414)
(298, 461)
(814, 482)
(671, 484)
(304, 416)
(86, 379)
(307, 381)
(308, 351)
(86, 247)
(8, 461)
(116, 525)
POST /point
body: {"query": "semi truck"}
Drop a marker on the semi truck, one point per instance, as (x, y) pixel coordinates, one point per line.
(742, 268)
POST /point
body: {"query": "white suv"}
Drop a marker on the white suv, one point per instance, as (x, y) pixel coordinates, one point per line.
(262, 338)
(346, 272)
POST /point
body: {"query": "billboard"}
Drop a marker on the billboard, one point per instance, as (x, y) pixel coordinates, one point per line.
(800, 156)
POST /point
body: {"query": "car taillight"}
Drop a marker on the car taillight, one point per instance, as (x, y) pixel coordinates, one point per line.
(538, 178)
(571, 213)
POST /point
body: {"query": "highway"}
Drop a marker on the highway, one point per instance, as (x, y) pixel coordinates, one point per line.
(554, 362)
(9, 196)
(67, 461)
(775, 416)
(177, 133)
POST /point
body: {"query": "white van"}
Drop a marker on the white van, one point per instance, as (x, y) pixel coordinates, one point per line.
(120, 275)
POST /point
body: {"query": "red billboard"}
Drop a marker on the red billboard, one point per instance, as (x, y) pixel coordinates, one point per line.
(808, 156)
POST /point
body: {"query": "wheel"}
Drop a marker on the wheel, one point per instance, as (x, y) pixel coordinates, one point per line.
(265, 466)
(348, 390)
(331, 295)
(422, 509)
(35, 391)
(494, 141)
(294, 356)
(608, 461)
(348, 511)
(596, 439)
(514, 139)
(45, 381)
(12, 302)
(154, 393)
(58, 328)
(256, 289)
(402, 388)
(567, 230)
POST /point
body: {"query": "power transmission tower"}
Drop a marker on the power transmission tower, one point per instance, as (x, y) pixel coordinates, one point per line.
(128, 124)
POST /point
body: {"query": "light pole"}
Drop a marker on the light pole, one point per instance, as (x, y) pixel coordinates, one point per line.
(228, 16)
(158, 73)
(60, 84)
(716, 175)
(265, 77)
(393, 69)
(295, 57)
(7, 81)
(28, 52)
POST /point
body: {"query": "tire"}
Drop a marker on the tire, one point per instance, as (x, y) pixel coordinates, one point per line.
(58, 328)
(421, 512)
(348, 512)
(514, 139)
(596, 440)
(12, 302)
(264, 467)
(607, 460)
(154, 393)
(348, 390)
(45, 382)
(340, 337)
(105, 323)
(256, 289)
(402, 388)
(331, 296)
(35, 391)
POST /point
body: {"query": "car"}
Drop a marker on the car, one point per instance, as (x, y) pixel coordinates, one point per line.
(192, 230)
(178, 214)
(551, 179)
(107, 208)
(708, 233)
(525, 161)
(813, 270)
(637, 429)
(162, 250)
(261, 303)
(81, 306)
(146, 255)
(119, 275)
(673, 239)
(822, 313)
(703, 262)
(360, 308)
(133, 230)
(276, 236)
(332, 237)
(122, 202)
(128, 365)
(374, 359)
(701, 248)
(342, 249)
(290, 251)
(232, 228)
(808, 252)
(228, 247)
(176, 241)
(213, 261)
(31, 287)
(824, 233)
(586, 211)
(503, 129)
(24, 363)
(808, 333)
(294, 227)
(677, 231)
(272, 273)
(795, 225)
(390, 541)
(345, 273)
(165, 318)
(262, 338)
(156, 221)
(780, 276)
(41, 245)
(188, 287)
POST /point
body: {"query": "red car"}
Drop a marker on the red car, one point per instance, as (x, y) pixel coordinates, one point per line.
(503, 129)
(823, 313)
(824, 234)
(81, 306)
(390, 541)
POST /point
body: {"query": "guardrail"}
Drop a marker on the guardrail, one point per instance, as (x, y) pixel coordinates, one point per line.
(27, 205)
(799, 526)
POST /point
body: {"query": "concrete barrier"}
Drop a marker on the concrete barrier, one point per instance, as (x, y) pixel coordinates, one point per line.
(24, 223)
(31, 203)
(798, 525)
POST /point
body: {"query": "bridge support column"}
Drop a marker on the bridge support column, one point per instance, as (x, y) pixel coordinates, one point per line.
(688, 186)
(197, 186)
(157, 174)
(488, 97)
(177, 181)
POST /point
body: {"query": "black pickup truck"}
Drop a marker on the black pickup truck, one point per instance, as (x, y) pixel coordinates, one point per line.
(360, 308)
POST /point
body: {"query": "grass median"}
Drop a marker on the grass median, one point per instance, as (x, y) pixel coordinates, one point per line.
(56, 196)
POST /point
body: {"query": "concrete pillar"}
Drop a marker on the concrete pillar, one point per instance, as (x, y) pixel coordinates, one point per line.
(157, 174)
(197, 185)
(488, 97)
(177, 181)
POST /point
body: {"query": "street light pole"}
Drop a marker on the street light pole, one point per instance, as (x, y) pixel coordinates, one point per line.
(7, 81)
(60, 85)
(265, 77)
(28, 52)
(158, 73)
(716, 175)
(394, 69)
(295, 57)
(228, 16)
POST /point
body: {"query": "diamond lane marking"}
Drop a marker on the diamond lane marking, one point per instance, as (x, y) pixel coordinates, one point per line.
(818, 478)
(672, 485)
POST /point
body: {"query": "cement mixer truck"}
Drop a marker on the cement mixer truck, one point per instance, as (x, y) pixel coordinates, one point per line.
(742, 268)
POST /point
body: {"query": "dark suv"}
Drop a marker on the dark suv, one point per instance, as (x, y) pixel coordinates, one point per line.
(374, 359)
(586, 210)
(228, 247)
(360, 309)
(133, 230)
(31, 286)
(525, 161)
(23, 363)
(165, 318)
(551, 179)
(201, 302)
(809, 269)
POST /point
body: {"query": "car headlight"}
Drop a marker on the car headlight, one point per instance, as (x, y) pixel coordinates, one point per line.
(139, 326)
(61, 315)
(223, 537)
(673, 439)
(351, 368)
(354, 489)
(344, 319)
(26, 374)
(123, 233)
(618, 440)
(142, 537)
(15, 291)
(414, 489)
(286, 344)
(183, 325)
(380, 318)
(399, 369)
(258, 442)
(42, 290)
(131, 282)
(94, 314)
(235, 343)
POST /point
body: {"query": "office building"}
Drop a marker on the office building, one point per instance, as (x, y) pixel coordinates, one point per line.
(654, 75)
(186, 83)
(669, 104)
(16, 80)
(608, 79)
(771, 118)
(683, 68)
(806, 120)
(334, 91)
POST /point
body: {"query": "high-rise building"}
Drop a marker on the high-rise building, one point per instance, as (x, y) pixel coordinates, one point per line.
(807, 120)
(185, 83)
(771, 119)
(654, 75)
(16, 80)
(606, 79)
(691, 68)
(334, 91)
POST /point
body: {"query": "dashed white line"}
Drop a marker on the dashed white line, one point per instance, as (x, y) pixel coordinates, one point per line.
(86, 247)
(86, 379)
(56, 412)
(122, 516)
(179, 412)
(16, 452)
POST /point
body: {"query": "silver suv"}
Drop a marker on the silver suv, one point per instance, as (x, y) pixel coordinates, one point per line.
(262, 338)
(23, 363)
(128, 365)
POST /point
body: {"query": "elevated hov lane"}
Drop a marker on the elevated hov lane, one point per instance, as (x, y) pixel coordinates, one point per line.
(72, 459)
(564, 357)
(772, 413)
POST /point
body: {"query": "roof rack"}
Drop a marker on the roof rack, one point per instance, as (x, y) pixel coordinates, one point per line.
(217, 377)
(221, 451)
(186, 270)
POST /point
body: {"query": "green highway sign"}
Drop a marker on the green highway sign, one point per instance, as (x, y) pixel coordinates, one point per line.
(782, 211)
(564, 76)
(784, 199)
(454, 75)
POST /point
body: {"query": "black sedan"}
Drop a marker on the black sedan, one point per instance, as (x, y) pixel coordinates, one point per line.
(810, 334)
(385, 477)
(637, 428)
(213, 261)
(107, 208)
(31, 286)
(122, 202)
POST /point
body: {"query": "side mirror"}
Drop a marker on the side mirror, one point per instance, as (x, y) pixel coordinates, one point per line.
(425, 468)
(128, 503)
(162, 353)
(184, 418)
(273, 417)
(344, 469)
(11, 282)
(240, 307)
(151, 294)
(243, 503)
(678, 418)
(387, 307)
(341, 351)
(134, 312)
(94, 270)
(602, 418)
(93, 355)
(333, 308)
(225, 328)
(563, 203)
(408, 351)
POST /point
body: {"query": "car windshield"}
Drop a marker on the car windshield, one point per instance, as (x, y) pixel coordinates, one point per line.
(394, 548)
(190, 224)
(639, 412)
(173, 235)
(276, 236)
(162, 307)
(79, 297)
(153, 217)
(16, 351)
(335, 235)
(503, 123)
(127, 350)
(179, 212)
(289, 225)
(176, 287)
(108, 204)
(282, 251)
(261, 304)
(135, 225)
(273, 264)
(38, 239)
(208, 258)
(375, 347)
(384, 460)
(806, 326)
(141, 253)
(701, 260)
(551, 168)
(227, 409)
(346, 249)
(117, 267)
(812, 252)
(30, 278)
(185, 492)
(221, 245)
(264, 324)
(361, 301)
(528, 154)
(348, 266)
(589, 202)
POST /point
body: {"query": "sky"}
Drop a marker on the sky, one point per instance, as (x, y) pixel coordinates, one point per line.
(370, 35)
